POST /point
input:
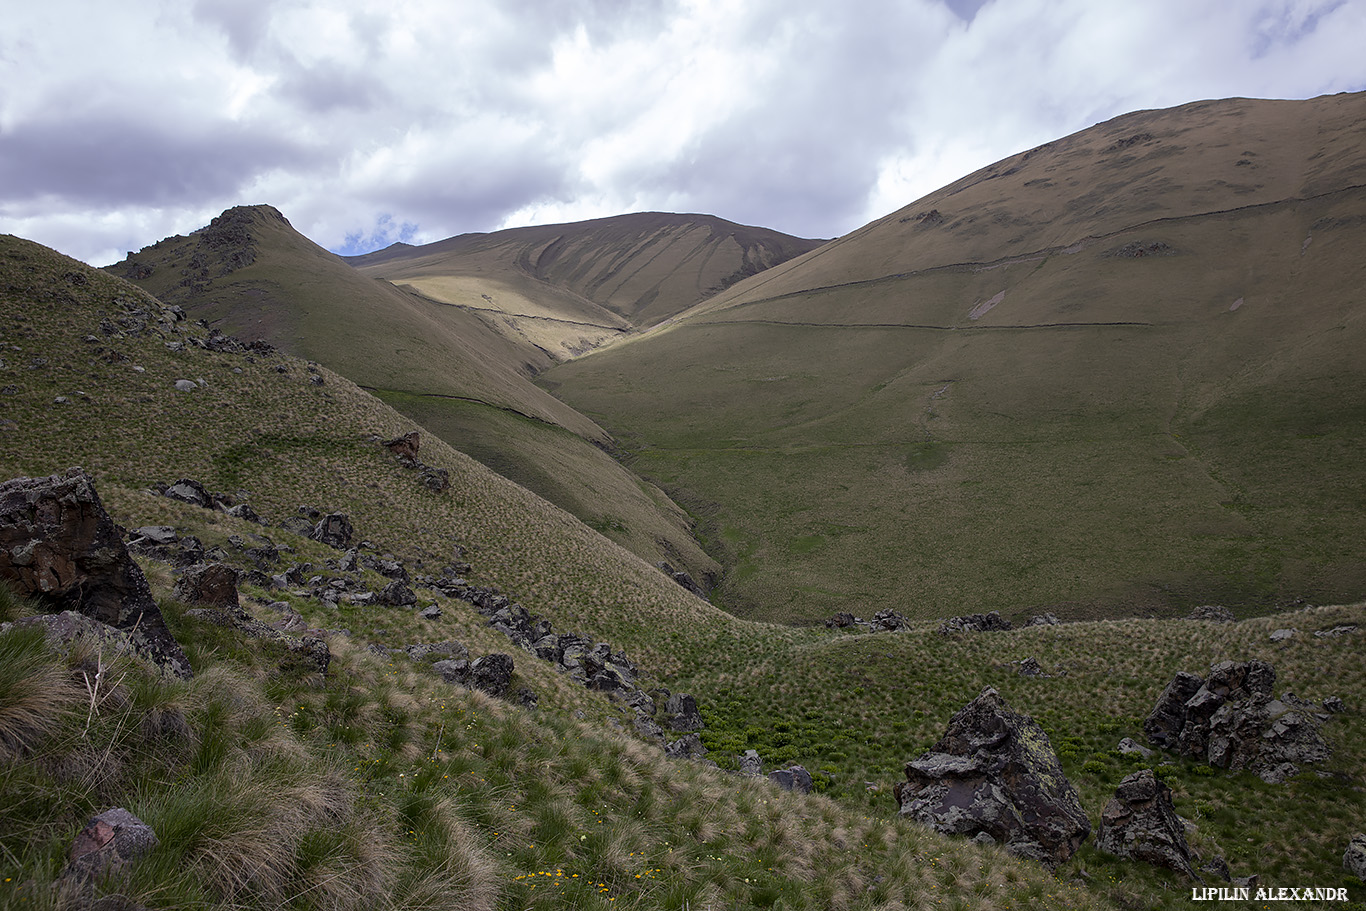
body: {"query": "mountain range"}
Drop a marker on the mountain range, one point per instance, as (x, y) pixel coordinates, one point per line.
(1110, 382)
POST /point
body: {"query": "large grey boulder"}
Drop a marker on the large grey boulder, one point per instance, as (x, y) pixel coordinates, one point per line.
(211, 584)
(1140, 823)
(491, 674)
(333, 530)
(684, 716)
(1232, 721)
(105, 848)
(59, 546)
(994, 775)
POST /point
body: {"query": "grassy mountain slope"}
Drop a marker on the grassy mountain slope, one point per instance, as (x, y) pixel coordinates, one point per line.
(557, 282)
(1113, 375)
(379, 786)
(252, 275)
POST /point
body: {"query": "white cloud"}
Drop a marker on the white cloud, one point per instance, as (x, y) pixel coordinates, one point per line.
(424, 118)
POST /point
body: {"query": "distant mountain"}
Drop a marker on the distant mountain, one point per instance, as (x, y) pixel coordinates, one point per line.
(1116, 374)
(251, 275)
(571, 287)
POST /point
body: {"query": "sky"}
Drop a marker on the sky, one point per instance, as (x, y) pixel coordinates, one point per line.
(372, 121)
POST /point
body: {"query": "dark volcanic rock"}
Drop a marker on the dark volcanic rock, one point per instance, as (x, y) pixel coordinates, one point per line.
(333, 530)
(1140, 823)
(683, 712)
(492, 673)
(213, 584)
(994, 774)
(1232, 721)
(1212, 612)
(842, 620)
(975, 623)
(796, 778)
(57, 544)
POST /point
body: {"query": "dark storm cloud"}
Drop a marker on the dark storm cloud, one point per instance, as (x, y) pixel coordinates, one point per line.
(114, 162)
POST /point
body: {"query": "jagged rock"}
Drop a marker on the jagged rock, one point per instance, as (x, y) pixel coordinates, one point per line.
(1043, 620)
(689, 746)
(431, 612)
(527, 698)
(975, 623)
(648, 729)
(994, 774)
(1218, 867)
(795, 778)
(1232, 722)
(842, 620)
(751, 765)
(297, 525)
(333, 530)
(153, 534)
(1212, 612)
(1128, 746)
(213, 584)
(1354, 858)
(492, 673)
(1334, 705)
(1163, 725)
(405, 447)
(396, 594)
(58, 545)
(1029, 667)
(1345, 629)
(888, 620)
(1283, 635)
(104, 848)
(684, 714)
(187, 490)
(245, 512)
(1140, 823)
(683, 579)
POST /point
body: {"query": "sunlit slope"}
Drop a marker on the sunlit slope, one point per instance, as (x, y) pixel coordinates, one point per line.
(252, 275)
(1118, 374)
(569, 288)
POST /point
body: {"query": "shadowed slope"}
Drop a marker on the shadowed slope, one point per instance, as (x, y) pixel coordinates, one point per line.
(1115, 374)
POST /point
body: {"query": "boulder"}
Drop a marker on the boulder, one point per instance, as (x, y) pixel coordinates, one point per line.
(1043, 620)
(1029, 667)
(888, 620)
(683, 712)
(58, 545)
(841, 620)
(795, 778)
(751, 765)
(1354, 859)
(104, 848)
(975, 623)
(1140, 823)
(211, 584)
(994, 775)
(1231, 721)
(1283, 635)
(396, 594)
(333, 530)
(187, 490)
(1129, 747)
(491, 674)
(689, 746)
(405, 447)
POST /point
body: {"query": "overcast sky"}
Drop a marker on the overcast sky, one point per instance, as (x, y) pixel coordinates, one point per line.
(369, 122)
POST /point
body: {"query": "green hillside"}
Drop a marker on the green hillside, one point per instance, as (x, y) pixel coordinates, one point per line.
(251, 275)
(378, 786)
(1116, 375)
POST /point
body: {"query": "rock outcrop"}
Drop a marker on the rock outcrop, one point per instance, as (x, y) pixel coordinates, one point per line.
(491, 674)
(1140, 823)
(975, 623)
(107, 845)
(405, 449)
(994, 775)
(58, 545)
(1354, 858)
(1231, 721)
(796, 778)
(210, 584)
